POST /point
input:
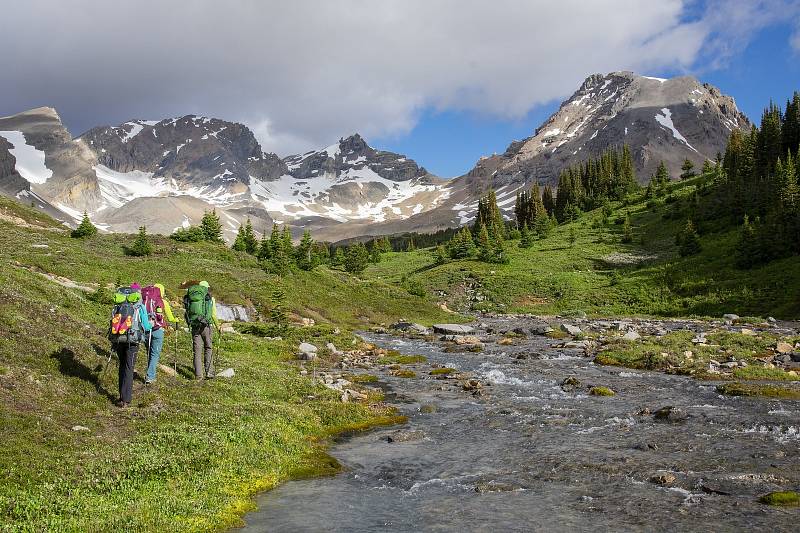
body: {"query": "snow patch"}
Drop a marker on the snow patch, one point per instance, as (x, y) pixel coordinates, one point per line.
(660, 80)
(30, 160)
(666, 121)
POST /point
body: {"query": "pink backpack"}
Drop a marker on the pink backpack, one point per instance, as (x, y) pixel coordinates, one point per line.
(154, 305)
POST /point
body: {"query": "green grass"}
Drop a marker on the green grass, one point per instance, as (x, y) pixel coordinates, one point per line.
(397, 359)
(759, 390)
(442, 371)
(604, 277)
(187, 455)
(786, 498)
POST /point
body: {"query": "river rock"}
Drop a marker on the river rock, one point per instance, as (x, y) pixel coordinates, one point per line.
(541, 329)
(463, 340)
(730, 317)
(663, 479)
(352, 395)
(405, 436)
(333, 349)
(784, 347)
(227, 328)
(572, 330)
(631, 336)
(670, 414)
(453, 329)
(795, 356)
(307, 351)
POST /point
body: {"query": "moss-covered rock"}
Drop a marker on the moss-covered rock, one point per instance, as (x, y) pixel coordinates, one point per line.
(759, 390)
(601, 391)
(785, 498)
(442, 371)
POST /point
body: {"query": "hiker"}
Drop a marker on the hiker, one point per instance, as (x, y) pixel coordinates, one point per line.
(160, 314)
(129, 325)
(201, 315)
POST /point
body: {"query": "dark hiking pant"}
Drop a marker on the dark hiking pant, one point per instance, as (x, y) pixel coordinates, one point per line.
(203, 351)
(127, 361)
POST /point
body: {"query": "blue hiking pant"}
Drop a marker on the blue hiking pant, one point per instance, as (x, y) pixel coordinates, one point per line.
(155, 345)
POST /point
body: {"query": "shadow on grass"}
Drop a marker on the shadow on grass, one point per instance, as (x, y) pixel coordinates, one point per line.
(69, 365)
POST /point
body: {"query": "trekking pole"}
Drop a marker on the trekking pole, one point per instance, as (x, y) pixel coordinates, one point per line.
(175, 351)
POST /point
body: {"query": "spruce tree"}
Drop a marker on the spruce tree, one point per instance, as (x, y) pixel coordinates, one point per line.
(462, 246)
(277, 312)
(141, 246)
(440, 255)
(338, 257)
(304, 255)
(356, 258)
(410, 247)
(627, 232)
(687, 169)
(542, 225)
(526, 239)
(688, 240)
(484, 243)
(548, 200)
(211, 227)
(264, 249)
(84, 229)
(250, 239)
(747, 248)
(572, 236)
(239, 243)
(708, 167)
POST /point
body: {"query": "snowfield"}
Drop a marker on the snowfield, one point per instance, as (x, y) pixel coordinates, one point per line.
(30, 160)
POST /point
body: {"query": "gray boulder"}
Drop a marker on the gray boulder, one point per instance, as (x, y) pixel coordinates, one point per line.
(631, 336)
(541, 329)
(307, 351)
(453, 329)
(670, 414)
(572, 330)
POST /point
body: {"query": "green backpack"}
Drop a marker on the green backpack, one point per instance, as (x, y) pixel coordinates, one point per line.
(198, 306)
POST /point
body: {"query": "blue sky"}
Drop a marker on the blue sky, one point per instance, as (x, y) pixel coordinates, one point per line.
(449, 143)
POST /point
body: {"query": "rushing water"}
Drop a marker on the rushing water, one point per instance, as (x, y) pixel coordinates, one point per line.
(530, 456)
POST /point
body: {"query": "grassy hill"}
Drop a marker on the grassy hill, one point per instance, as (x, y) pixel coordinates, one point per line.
(600, 275)
(188, 455)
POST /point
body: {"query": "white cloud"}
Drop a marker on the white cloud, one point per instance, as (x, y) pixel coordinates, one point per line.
(303, 73)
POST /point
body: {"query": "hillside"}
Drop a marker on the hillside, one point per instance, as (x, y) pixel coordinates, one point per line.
(599, 275)
(73, 461)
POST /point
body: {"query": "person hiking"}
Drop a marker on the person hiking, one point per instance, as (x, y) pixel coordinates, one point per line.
(128, 328)
(160, 314)
(201, 315)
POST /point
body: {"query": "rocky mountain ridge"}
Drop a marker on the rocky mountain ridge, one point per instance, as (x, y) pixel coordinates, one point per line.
(165, 173)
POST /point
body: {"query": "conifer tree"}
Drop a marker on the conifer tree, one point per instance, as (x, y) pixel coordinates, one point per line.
(411, 247)
(526, 239)
(275, 239)
(250, 239)
(84, 229)
(304, 255)
(548, 200)
(211, 227)
(484, 243)
(747, 248)
(542, 225)
(572, 236)
(239, 243)
(142, 245)
(440, 255)
(338, 257)
(277, 313)
(708, 167)
(627, 232)
(688, 240)
(687, 169)
(356, 258)
(264, 249)
(462, 246)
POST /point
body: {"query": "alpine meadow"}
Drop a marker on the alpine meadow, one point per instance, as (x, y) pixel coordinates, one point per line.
(596, 327)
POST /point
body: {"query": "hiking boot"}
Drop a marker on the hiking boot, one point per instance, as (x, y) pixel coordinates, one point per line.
(149, 381)
(211, 375)
(122, 404)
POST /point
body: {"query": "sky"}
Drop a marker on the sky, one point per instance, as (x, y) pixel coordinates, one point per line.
(442, 81)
